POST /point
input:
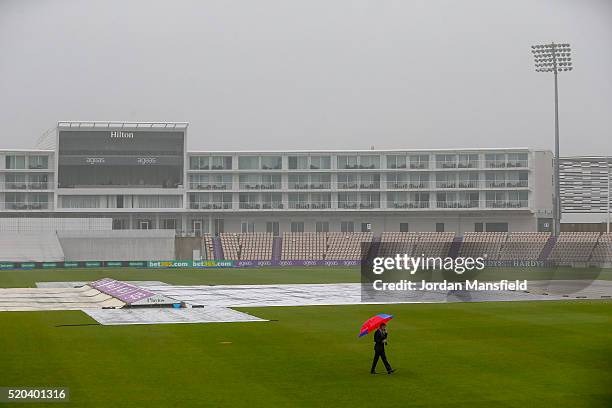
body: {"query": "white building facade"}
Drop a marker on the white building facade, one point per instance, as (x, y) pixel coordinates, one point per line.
(143, 177)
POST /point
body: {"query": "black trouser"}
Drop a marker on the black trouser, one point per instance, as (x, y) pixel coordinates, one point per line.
(379, 352)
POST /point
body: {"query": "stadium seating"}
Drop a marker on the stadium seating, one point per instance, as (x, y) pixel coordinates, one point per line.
(434, 244)
(398, 243)
(574, 247)
(346, 246)
(602, 253)
(208, 247)
(230, 245)
(303, 246)
(30, 247)
(253, 246)
(525, 246)
(482, 244)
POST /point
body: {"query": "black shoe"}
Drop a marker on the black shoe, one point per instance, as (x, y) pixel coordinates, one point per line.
(391, 371)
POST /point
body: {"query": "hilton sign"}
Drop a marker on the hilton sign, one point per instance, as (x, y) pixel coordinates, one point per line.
(117, 134)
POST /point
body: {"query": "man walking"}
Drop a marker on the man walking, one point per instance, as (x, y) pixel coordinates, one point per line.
(380, 341)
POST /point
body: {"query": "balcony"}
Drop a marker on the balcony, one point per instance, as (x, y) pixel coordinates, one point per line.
(407, 204)
(197, 205)
(210, 186)
(311, 186)
(25, 206)
(419, 165)
(506, 183)
(503, 164)
(309, 205)
(506, 204)
(457, 204)
(22, 185)
(408, 185)
(354, 205)
(260, 186)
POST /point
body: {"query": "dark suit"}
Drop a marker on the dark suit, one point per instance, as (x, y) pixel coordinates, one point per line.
(379, 350)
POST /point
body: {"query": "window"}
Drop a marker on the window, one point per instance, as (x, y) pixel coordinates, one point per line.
(403, 227)
(322, 226)
(297, 162)
(347, 162)
(15, 162)
(366, 227)
(478, 227)
(38, 162)
(297, 226)
(247, 227)
(446, 161)
(369, 162)
(320, 162)
(347, 226)
(198, 162)
(272, 228)
(221, 163)
(439, 227)
(420, 161)
(248, 162)
(497, 227)
(169, 223)
(396, 162)
(271, 162)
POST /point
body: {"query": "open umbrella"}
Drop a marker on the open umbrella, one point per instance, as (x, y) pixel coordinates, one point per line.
(374, 323)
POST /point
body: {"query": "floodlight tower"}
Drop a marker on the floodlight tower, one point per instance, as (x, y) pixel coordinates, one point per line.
(554, 58)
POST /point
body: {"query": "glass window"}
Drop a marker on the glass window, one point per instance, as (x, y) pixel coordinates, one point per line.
(38, 162)
(298, 162)
(297, 226)
(248, 162)
(369, 162)
(396, 162)
(221, 163)
(347, 226)
(320, 162)
(419, 161)
(347, 162)
(15, 162)
(271, 162)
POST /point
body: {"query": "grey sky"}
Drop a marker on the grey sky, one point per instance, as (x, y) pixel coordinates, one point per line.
(276, 74)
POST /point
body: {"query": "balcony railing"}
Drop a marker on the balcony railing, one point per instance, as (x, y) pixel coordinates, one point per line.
(309, 205)
(506, 203)
(22, 185)
(419, 165)
(210, 186)
(352, 185)
(197, 205)
(504, 184)
(260, 186)
(25, 206)
(502, 164)
(309, 186)
(407, 204)
(457, 204)
(355, 205)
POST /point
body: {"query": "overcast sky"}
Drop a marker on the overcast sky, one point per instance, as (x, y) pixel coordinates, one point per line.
(312, 74)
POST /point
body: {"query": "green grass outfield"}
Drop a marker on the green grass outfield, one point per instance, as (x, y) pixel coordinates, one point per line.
(254, 276)
(505, 354)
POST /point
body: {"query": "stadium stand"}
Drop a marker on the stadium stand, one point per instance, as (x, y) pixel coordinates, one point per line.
(602, 253)
(526, 246)
(574, 247)
(346, 246)
(253, 246)
(434, 244)
(482, 244)
(303, 246)
(231, 246)
(30, 247)
(208, 246)
(398, 242)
